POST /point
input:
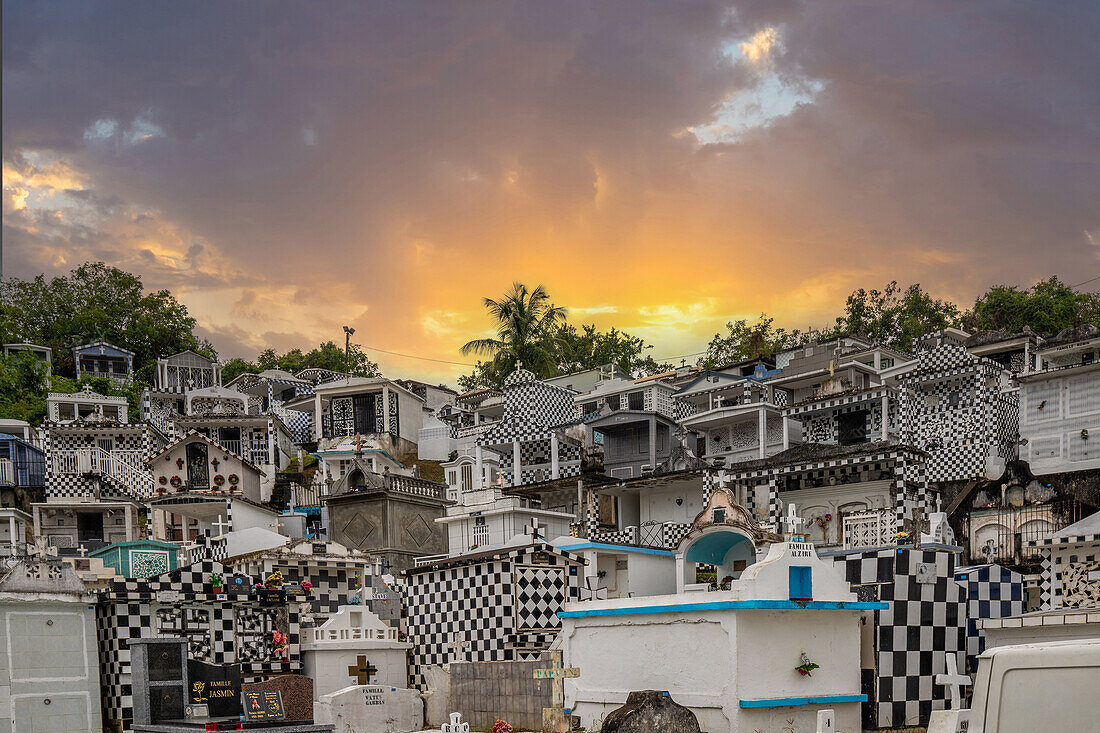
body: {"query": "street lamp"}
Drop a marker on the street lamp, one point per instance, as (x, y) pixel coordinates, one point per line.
(348, 331)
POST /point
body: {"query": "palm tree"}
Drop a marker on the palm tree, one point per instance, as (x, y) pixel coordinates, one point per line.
(525, 320)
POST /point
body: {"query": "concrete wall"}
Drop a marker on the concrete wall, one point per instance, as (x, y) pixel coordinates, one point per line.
(327, 663)
(397, 527)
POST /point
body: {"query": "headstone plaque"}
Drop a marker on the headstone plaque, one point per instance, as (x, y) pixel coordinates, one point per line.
(271, 596)
(262, 705)
(295, 690)
(197, 711)
(217, 686)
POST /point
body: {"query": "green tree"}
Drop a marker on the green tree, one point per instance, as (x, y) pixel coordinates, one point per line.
(327, 355)
(96, 302)
(895, 318)
(588, 348)
(744, 340)
(525, 322)
(1047, 307)
(22, 388)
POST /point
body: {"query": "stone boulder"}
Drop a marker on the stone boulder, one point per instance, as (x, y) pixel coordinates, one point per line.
(650, 711)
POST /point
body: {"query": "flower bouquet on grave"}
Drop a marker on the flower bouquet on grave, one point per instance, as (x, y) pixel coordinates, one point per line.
(274, 581)
(279, 643)
(307, 587)
(215, 581)
(501, 727)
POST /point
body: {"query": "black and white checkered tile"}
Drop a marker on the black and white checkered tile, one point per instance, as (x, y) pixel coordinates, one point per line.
(953, 407)
(532, 412)
(924, 622)
(991, 592)
(135, 437)
(495, 607)
(221, 629)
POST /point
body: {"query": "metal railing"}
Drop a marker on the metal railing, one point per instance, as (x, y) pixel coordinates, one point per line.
(870, 529)
(122, 466)
(7, 472)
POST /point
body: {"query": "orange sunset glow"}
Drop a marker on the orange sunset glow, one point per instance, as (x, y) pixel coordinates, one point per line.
(286, 169)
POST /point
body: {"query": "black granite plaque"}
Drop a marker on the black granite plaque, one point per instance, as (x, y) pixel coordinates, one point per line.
(263, 705)
(166, 703)
(165, 662)
(216, 685)
(271, 597)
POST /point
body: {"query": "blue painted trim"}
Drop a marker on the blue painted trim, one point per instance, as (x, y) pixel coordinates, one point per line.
(617, 548)
(782, 702)
(731, 605)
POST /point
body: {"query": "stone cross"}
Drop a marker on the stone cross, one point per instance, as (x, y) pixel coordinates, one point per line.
(276, 524)
(83, 551)
(221, 525)
(41, 548)
(953, 680)
(362, 670)
(557, 675)
(792, 521)
(592, 585)
(456, 725)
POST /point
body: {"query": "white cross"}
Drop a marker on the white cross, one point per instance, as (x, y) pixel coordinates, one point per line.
(83, 551)
(456, 725)
(41, 547)
(953, 680)
(222, 526)
(534, 529)
(276, 524)
(792, 520)
(592, 585)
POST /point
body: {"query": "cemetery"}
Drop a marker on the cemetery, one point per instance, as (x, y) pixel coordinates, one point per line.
(801, 576)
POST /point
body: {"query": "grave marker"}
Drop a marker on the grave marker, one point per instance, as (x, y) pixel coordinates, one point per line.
(953, 681)
(557, 675)
(456, 725)
(263, 705)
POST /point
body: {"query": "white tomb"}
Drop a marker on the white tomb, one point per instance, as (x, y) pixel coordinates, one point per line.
(731, 656)
(354, 647)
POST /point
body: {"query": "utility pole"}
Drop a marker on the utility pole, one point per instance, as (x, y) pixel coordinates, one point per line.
(348, 331)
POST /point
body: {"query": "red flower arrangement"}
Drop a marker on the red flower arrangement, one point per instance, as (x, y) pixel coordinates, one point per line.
(219, 480)
(501, 727)
(176, 482)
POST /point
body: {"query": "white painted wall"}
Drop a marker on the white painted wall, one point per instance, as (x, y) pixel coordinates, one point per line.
(1053, 412)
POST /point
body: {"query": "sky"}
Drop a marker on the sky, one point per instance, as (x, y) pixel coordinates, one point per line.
(288, 168)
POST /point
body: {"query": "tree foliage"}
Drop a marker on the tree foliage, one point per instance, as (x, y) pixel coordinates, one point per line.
(327, 355)
(745, 340)
(526, 323)
(96, 302)
(588, 348)
(22, 388)
(893, 317)
(1047, 307)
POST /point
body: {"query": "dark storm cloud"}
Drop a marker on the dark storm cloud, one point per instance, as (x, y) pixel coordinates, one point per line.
(396, 161)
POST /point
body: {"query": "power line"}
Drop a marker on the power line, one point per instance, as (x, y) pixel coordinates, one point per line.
(1084, 283)
(421, 358)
